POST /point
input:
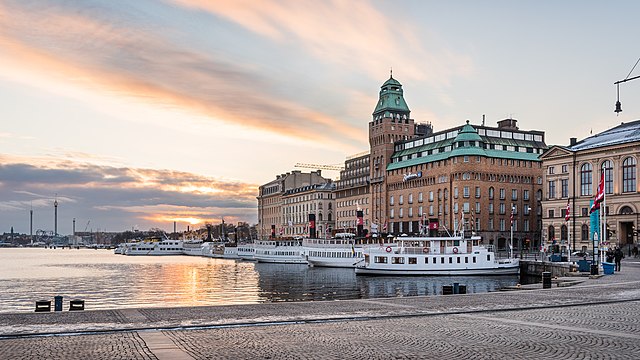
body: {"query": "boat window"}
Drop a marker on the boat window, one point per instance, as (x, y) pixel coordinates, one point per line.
(380, 259)
(442, 260)
(450, 260)
(466, 260)
(397, 260)
(458, 259)
(413, 260)
(489, 257)
(434, 259)
(474, 259)
(456, 242)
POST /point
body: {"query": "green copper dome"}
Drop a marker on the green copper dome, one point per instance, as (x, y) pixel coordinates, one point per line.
(391, 100)
(468, 133)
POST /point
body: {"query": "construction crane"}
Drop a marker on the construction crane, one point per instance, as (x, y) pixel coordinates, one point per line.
(86, 226)
(321, 167)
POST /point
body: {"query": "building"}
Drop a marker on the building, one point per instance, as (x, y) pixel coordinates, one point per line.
(572, 174)
(316, 200)
(271, 216)
(352, 194)
(477, 173)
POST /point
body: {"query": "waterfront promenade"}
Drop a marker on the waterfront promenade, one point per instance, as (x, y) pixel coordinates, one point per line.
(597, 318)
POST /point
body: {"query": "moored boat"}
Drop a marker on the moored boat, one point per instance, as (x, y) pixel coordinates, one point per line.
(343, 250)
(457, 255)
(155, 247)
(246, 252)
(284, 251)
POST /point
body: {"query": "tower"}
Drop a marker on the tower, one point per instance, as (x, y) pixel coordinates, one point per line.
(55, 217)
(31, 224)
(390, 122)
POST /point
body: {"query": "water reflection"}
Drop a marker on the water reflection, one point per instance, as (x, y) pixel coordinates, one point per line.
(108, 281)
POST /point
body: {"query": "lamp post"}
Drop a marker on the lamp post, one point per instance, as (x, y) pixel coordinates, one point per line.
(513, 208)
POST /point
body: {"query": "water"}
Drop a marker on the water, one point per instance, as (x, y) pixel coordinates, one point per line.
(108, 281)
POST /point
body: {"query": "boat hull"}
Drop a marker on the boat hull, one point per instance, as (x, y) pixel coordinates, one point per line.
(506, 270)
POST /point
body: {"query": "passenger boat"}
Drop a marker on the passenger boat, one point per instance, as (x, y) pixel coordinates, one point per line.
(454, 255)
(343, 250)
(246, 251)
(230, 251)
(194, 247)
(156, 247)
(283, 251)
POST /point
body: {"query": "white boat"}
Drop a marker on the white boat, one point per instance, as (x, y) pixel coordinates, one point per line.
(194, 247)
(283, 251)
(435, 256)
(246, 252)
(156, 247)
(343, 250)
(230, 251)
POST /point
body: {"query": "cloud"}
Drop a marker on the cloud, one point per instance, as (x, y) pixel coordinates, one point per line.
(118, 196)
(114, 49)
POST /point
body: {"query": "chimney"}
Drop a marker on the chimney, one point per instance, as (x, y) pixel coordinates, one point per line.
(509, 124)
(573, 141)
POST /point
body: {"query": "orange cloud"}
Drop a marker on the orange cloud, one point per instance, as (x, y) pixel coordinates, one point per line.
(96, 52)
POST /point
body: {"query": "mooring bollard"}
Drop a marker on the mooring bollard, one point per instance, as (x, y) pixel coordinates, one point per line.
(57, 302)
(546, 280)
(43, 305)
(76, 304)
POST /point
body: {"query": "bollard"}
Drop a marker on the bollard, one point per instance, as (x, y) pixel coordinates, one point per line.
(456, 288)
(76, 305)
(447, 289)
(594, 269)
(57, 301)
(546, 280)
(43, 305)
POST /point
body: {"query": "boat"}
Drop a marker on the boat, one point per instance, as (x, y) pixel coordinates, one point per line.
(343, 250)
(194, 247)
(283, 251)
(246, 252)
(451, 255)
(156, 247)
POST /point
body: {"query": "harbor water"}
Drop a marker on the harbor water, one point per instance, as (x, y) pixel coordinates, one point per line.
(108, 281)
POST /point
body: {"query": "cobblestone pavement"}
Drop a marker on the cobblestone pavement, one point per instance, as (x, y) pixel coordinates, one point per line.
(596, 319)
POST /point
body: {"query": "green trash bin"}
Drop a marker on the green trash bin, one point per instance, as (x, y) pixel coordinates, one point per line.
(584, 265)
(608, 268)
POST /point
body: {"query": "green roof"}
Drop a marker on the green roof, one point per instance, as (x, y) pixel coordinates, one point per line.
(391, 98)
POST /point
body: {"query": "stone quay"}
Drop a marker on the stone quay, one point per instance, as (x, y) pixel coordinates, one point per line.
(597, 317)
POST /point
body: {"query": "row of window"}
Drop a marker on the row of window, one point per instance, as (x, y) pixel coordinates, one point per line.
(466, 193)
(434, 259)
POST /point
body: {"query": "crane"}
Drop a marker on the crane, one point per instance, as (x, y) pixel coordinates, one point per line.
(318, 166)
(86, 226)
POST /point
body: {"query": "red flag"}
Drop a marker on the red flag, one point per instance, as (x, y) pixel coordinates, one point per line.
(595, 206)
(567, 216)
(600, 194)
(512, 210)
(384, 227)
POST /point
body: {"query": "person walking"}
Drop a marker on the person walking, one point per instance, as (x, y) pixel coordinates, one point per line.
(618, 255)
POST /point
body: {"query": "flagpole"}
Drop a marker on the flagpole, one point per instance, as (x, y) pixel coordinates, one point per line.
(511, 241)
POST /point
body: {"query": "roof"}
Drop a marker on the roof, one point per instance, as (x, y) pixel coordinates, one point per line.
(621, 134)
(391, 98)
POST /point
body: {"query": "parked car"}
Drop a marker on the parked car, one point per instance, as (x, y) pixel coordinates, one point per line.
(581, 254)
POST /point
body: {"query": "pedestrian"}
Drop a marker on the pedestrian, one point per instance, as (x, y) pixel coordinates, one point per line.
(609, 255)
(618, 255)
(634, 251)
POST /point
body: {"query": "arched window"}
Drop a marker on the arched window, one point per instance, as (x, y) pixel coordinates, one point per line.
(625, 210)
(552, 233)
(585, 232)
(563, 232)
(491, 193)
(320, 217)
(629, 175)
(329, 217)
(585, 179)
(607, 167)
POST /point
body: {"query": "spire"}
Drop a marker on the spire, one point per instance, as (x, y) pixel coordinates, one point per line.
(391, 73)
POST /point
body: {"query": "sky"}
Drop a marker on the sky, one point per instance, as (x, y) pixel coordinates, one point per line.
(139, 114)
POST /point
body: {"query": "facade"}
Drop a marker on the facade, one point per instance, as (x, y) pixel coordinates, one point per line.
(572, 174)
(477, 174)
(298, 203)
(270, 199)
(352, 193)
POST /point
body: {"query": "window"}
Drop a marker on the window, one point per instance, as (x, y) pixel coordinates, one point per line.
(551, 170)
(502, 209)
(420, 196)
(455, 192)
(391, 200)
(552, 233)
(465, 207)
(525, 225)
(380, 259)
(502, 225)
(391, 213)
(491, 193)
(629, 175)
(400, 212)
(431, 196)
(564, 169)
(585, 179)
(502, 194)
(514, 194)
(477, 191)
(525, 195)
(401, 200)
(552, 189)
(477, 207)
(607, 167)
(410, 198)
(490, 208)
(585, 232)
(552, 213)
(465, 192)
(410, 212)
(564, 185)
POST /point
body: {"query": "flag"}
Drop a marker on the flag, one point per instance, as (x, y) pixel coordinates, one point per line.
(600, 194)
(567, 215)
(512, 211)
(595, 206)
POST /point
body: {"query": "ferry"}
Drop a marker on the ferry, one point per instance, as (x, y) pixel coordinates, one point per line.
(283, 251)
(453, 255)
(246, 252)
(343, 250)
(156, 247)
(194, 247)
